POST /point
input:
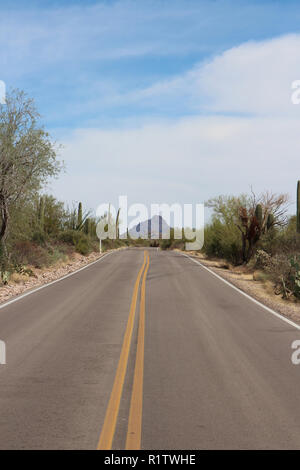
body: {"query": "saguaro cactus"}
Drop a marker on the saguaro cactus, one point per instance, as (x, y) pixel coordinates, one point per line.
(117, 224)
(79, 216)
(87, 226)
(270, 221)
(298, 207)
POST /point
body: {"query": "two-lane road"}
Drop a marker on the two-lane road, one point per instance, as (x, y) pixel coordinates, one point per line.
(146, 350)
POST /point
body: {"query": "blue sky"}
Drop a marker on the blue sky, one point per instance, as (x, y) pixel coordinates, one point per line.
(73, 56)
(140, 73)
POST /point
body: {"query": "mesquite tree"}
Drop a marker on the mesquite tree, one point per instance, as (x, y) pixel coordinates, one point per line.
(262, 214)
(253, 216)
(27, 155)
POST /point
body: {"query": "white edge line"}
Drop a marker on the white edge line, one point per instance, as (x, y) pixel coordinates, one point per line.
(5, 304)
(276, 314)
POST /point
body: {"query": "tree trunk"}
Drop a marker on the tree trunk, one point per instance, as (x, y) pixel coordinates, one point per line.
(4, 218)
(249, 251)
(244, 241)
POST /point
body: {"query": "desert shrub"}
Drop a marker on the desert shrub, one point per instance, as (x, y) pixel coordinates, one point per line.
(75, 238)
(108, 244)
(222, 240)
(54, 217)
(82, 246)
(78, 239)
(278, 256)
(283, 239)
(169, 244)
(294, 277)
(26, 252)
(260, 276)
(57, 253)
(165, 244)
(263, 260)
(68, 236)
(23, 270)
(283, 270)
(39, 237)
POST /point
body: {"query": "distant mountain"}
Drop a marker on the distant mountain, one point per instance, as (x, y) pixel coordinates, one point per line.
(158, 225)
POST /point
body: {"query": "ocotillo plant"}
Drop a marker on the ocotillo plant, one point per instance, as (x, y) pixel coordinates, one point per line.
(298, 207)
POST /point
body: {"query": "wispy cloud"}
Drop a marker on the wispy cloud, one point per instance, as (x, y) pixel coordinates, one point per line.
(61, 51)
(253, 78)
(35, 37)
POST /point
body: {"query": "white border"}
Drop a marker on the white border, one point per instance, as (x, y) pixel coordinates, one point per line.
(5, 304)
(276, 314)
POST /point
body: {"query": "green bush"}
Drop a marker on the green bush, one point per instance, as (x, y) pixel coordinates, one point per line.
(222, 240)
(57, 253)
(165, 244)
(78, 239)
(82, 246)
(68, 236)
(39, 237)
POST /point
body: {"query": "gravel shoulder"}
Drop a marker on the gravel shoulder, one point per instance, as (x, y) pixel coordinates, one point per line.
(22, 283)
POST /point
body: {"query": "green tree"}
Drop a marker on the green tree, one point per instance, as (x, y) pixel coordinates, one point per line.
(55, 216)
(253, 216)
(27, 155)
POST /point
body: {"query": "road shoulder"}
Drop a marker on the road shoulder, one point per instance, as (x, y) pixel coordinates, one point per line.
(260, 291)
(42, 277)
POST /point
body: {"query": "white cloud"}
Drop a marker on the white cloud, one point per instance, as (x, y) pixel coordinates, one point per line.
(187, 161)
(192, 159)
(254, 77)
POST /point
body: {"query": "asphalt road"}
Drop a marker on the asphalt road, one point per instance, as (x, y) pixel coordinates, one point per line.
(150, 352)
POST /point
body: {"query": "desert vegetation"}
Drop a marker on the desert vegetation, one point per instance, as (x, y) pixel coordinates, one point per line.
(256, 231)
(36, 230)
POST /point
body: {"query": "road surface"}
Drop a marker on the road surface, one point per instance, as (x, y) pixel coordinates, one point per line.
(146, 350)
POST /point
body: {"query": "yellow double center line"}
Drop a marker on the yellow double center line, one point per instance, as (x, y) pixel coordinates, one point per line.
(133, 440)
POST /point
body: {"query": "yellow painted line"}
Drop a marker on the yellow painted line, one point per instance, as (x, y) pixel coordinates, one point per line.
(134, 431)
(111, 416)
